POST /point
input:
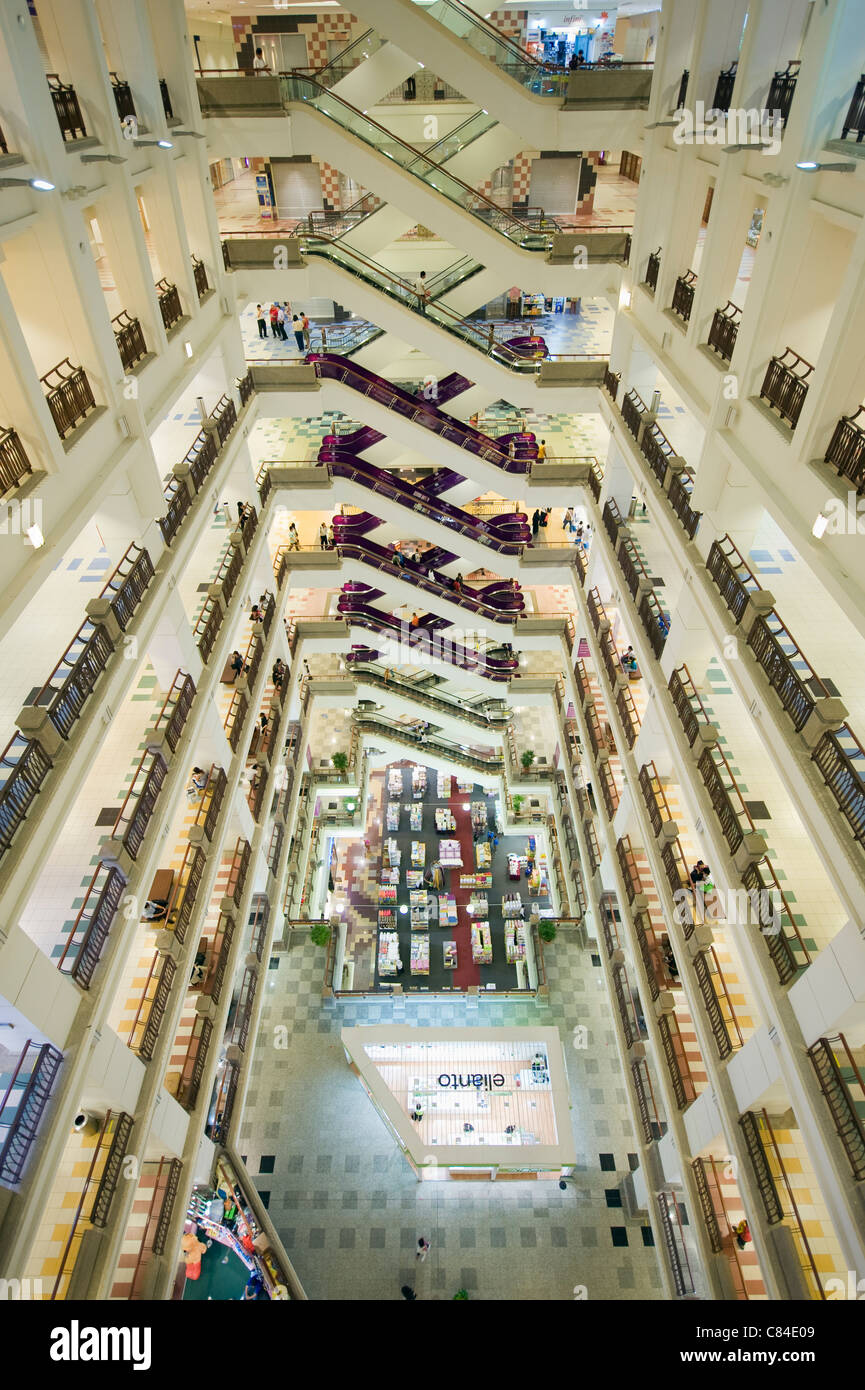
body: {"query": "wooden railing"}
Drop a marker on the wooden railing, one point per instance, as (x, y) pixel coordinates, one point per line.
(732, 576)
(628, 713)
(840, 758)
(790, 675)
(71, 683)
(24, 765)
(785, 385)
(633, 409)
(612, 519)
(192, 1071)
(68, 395)
(679, 493)
(229, 571)
(653, 1127)
(725, 330)
(223, 937)
(724, 88)
(674, 1244)
(728, 803)
(185, 891)
(777, 1192)
(238, 871)
(581, 677)
(66, 108)
(90, 930)
(611, 382)
(152, 1005)
(625, 1003)
(22, 1106)
(201, 456)
(199, 273)
(655, 622)
(843, 1087)
(212, 798)
(591, 841)
(673, 1048)
(103, 1172)
(774, 915)
(676, 869)
(169, 304)
(128, 583)
(159, 1215)
(782, 89)
(629, 867)
(654, 797)
(596, 478)
(683, 295)
(657, 451)
(846, 450)
(129, 339)
(123, 98)
(224, 415)
(719, 1007)
(245, 387)
(235, 719)
(14, 463)
(610, 923)
(166, 99)
(223, 1104)
(687, 703)
(175, 709)
(139, 803)
(653, 265)
(245, 1006)
(609, 789)
(260, 922)
(207, 627)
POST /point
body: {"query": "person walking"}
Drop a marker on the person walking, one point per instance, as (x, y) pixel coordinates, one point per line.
(305, 322)
(261, 317)
(491, 337)
(568, 519)
(542, 449)
(322, 536)
(422, 1249)
(274, 320)
(293, 538)
(422, 291)
(297, 326)
(536, 521)
(331, 537)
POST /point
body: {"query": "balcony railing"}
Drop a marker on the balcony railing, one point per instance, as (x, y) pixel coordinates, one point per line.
(724, 88)
(222, 1104)
(199, 272)
(66, 108)
(129, 339)
(673, 1048)
(192, 1071)
(159, 1214)
(71, 683)
(629, 867)
(734, 579)
(785, 385)
(687, 703)
(652, 267)
(683, 295)
(275, 848)
(224, 416)
(777, 1193)
(118, 1142)
(4, 148)
(610, 923)
(229, 571)
(14, 463)
(238, 871)
(628, 714)
(92, 926)
(260, 924)
(185, 891)
(22, 1106)
(625, 1003)
(655, 621)
(654, 797)
(676, 869)
(674, 1244)
(24, 765)
(633, 409)
(212, 798)
(611, 382)
(140, 802)
(843, 1087)
(652, 1126)
(236, 719)
(683, 90)
(166, 99)
(728, 803)
(657, 451)
(840, 758)
(782, 89)
(679, 493)
(591, 841)
(245, 387)
(128, 583)
(178, 500)
(222, 941)
(790, 675)
(175, 709)
(855, 118)
(207, 627)
(152, 1005)
(245, 1006)
(169, 304)
(123, 97)
(597, 612)
(68, 394)
(595, 479)
(719, 1007)
(846, 451)
(725, 329)
(774, 915)
(102, 1174)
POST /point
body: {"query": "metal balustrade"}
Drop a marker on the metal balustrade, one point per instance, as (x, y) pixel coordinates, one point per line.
(177, 503)
(221, 949)
(192, 1070)
(169, 304)
(68, 395)
(185, 892)
(224, 416)
(66, 108)
(597, 739)
(222, 1105)
(725, 330)
(123, 98)
(651, 1124)
(207, 627)
(777, 1192)
(654, 797)
(676, 869)
(654, 967)
(128, 583)
(707, 1206)
(687, 703)
(166, 99)
(840, 759)
(628, 714)
(653, 266)
(175, 709)
(212, 797)
(135, 814)
(591, 841)
(683, 295)
(92, 926)
(790, 675)
(657, 451)
(728, 803)
(782, 89)
(846, 450)
(595, 480)
(129, 339)
(200, 457)
(238, 871)
(609, 789)
(15, 466)
(584, 690)
(158, 1221)
(612, 519)
(610, 657)
(732, 576)
(655, 622)
(260, 922)
(71, 683)
(235, 719)
(629, 867)
(4, 148)
(625, 1003)
(724, 88)
(95, 1171)
(118, 1136)
(716, 999)
(773, 915)
(245, 388)
(597, 612)
(633, 409)
(245, 1006)
(683, 90)
(674, 1244)
(144, 1032)
(785, 385)
(631, 566)
(229, 571)
(24, 765)
(673, 1048)
(22, 1106)
(843, 1087)
(679, 493)
(199, 275)
(855, 118)
(611, 382)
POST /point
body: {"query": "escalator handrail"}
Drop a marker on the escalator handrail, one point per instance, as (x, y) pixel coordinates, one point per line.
(337, 59)
(364, 615)
(455, 708)
(369, 552)
(503, 40)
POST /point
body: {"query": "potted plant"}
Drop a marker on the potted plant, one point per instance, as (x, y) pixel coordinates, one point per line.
(340, 762)
(518, 801)
(461, 1293)
(319, 933)
(528, 758)
(547, 930)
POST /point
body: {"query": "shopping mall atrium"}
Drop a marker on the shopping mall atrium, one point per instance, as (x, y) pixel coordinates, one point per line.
(432, 865)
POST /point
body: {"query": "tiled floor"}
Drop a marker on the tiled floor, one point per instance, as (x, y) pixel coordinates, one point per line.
(346, 1204)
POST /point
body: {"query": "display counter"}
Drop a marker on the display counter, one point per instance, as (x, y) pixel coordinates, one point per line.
(482, 944)
(420, 953)
(450, 854)
(447, 910)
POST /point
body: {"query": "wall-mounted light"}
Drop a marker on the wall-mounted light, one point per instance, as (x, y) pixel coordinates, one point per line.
(163, 144)
(41, 185)
(752, 145)
(35, 537)
(102, 159)
(811, 166)
(187, 348)
(193, 134)
(820, 523)
(625, 299)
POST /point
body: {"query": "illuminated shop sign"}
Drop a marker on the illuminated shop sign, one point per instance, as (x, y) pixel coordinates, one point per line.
(459, 1082)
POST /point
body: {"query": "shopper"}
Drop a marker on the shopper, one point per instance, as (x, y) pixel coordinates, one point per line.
(155, 909)
(331, 537)
(536, 521)
(261, 319)
(305, 322)
(491, 337)
(274, 317)
(415, 620)
(259, 66)
(422, 291)
(422, 1249)
(293, 538)
(542, 449)
(568, 519)
(297, 327)
(322, 536)
(236, 664)
(280, 322)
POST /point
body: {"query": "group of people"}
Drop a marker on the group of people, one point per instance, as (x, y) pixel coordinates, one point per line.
(326, 536)
(580, 530)
(278, 316)
(539, 521)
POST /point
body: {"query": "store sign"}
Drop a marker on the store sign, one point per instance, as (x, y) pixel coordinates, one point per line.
(458, 1082)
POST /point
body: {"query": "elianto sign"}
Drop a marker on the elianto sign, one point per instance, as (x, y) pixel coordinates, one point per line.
(455, 1082)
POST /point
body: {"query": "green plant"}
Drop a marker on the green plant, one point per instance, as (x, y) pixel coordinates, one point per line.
(320, 933)
(547, 931)
(461, 1293)
(340, 761)
(518, 801)
(528, 758)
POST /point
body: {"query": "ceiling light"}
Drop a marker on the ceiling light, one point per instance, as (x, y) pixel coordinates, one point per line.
(810, 166)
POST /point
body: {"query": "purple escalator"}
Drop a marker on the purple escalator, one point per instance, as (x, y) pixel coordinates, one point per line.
(331, 366)
(425, 639)
(499, 601)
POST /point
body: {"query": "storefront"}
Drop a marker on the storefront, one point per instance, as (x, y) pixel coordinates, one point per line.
(225, 1252)
(469, 1103)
